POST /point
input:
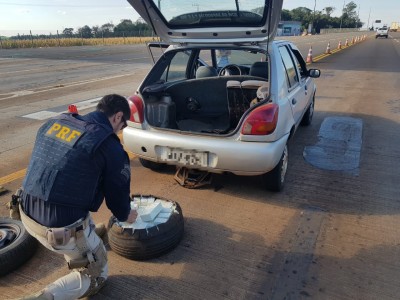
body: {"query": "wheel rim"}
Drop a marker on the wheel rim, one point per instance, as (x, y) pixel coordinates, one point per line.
(285, 159)
(311, 110)
(8, 234)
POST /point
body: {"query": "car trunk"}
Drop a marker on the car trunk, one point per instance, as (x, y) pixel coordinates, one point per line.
(207, 105)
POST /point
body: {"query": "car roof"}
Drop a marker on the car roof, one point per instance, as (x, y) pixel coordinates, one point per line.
(210, 21)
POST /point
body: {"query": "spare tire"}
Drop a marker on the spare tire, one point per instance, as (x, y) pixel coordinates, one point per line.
(16, 245)
(146, 239)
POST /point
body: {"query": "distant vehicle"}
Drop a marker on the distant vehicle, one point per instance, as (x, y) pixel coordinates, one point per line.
(395, 26)
(193, 114)
(382, 32)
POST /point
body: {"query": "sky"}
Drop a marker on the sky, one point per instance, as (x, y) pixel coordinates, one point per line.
(50, 16)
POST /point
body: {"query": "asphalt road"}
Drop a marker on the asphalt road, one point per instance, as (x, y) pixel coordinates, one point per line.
(328, 235)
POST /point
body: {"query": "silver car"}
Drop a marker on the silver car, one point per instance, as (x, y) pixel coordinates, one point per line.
(223, 96)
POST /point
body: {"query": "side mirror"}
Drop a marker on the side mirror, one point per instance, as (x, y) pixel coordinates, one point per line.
(314, 73)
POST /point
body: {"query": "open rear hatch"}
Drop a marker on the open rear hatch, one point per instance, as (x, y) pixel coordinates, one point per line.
(210, 21)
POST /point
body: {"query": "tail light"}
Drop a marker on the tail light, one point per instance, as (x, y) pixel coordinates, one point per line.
(262, 120)
(136, 106)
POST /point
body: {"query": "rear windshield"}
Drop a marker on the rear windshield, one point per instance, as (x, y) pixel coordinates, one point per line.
(183, 13)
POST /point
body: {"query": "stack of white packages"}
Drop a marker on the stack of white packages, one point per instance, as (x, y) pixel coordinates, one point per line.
(151, 212)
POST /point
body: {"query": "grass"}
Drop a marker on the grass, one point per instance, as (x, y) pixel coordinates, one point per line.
(67, 42)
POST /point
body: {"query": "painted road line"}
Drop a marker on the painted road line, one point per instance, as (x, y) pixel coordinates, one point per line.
(12, 177)
(21, 173)
(50, 88)
(55, 111)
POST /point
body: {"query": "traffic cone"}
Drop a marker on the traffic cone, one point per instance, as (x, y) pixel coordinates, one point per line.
(352, 41)
(72, 109)
(328, 49)
(309, 56)
(346, 43)
(340, 45)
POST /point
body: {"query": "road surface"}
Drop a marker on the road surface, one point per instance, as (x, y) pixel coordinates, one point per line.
(331, 234)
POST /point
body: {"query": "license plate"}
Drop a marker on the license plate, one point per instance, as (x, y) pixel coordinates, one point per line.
(185, 157)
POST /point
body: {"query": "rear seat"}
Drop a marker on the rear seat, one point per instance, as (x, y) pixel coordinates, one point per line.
(241, 95)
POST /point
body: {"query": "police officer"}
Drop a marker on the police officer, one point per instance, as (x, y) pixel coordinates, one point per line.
(76, 162)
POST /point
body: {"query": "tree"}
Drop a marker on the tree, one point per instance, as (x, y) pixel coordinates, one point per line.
(107, 28)
(349, 18)
(329, 10)
(286, 15)
(124, 27)
(68, 32)
(96, 31)
(85, 32)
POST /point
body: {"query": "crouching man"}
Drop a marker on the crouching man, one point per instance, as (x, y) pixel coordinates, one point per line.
(77, 161)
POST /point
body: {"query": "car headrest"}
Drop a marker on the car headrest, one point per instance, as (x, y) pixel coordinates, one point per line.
(259, 69)
(206, 71)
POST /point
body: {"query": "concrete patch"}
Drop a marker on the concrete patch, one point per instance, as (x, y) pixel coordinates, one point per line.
(339, 145)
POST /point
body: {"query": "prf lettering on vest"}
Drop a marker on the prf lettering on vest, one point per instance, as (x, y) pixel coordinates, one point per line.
(64, 133)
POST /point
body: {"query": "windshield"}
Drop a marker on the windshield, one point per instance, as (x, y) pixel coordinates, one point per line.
(181, 13)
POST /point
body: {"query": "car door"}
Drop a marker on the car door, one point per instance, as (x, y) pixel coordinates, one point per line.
(297, 88)
(305, 80)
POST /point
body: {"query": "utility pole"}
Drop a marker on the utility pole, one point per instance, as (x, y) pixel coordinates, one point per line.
(369, 17)
(341, 19)
(315, 5)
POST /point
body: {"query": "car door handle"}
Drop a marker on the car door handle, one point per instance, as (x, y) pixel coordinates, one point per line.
(294, 101)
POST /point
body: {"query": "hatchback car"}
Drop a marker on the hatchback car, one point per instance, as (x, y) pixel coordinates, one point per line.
(223, 96)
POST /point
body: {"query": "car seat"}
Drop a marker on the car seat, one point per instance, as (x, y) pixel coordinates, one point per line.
(206, 71)
(259, 69)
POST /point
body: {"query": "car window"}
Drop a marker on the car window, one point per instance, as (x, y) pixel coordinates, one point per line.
(291, 73)
(299, 61)
(205, 57)
(177, 68)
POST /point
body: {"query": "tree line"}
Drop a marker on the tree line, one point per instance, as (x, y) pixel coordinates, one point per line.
(323, 19)
(127, 28)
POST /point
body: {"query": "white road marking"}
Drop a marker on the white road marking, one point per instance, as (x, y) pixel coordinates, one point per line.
(47, 114)
(67, 85)
(41, 115)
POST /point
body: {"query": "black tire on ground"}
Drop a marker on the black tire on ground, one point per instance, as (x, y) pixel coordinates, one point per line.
(143, 244)
(16, 245)
(275, 179)
(151, 164)
(308, 115)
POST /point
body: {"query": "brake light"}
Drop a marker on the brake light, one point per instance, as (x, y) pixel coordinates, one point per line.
(262, 120)
(136, 106)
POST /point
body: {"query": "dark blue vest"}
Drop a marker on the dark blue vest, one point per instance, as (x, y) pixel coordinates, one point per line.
(63, 168)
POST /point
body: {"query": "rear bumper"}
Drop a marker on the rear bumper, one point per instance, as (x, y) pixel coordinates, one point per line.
(224, 154)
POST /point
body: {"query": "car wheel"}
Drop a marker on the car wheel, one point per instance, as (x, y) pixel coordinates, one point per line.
(275, 179)
(307, 118)
(151, 164)
(145, 240)
(16, 245)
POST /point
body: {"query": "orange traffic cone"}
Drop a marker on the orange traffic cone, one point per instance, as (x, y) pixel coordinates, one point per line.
(340, 45)
(328, 49)
(72, 109)
(346, 43)
(309, 56)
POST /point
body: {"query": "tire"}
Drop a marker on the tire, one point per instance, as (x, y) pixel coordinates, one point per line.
(152, 242)
(308, 116)
(275, 179)
(151, 164)
(16, 245)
